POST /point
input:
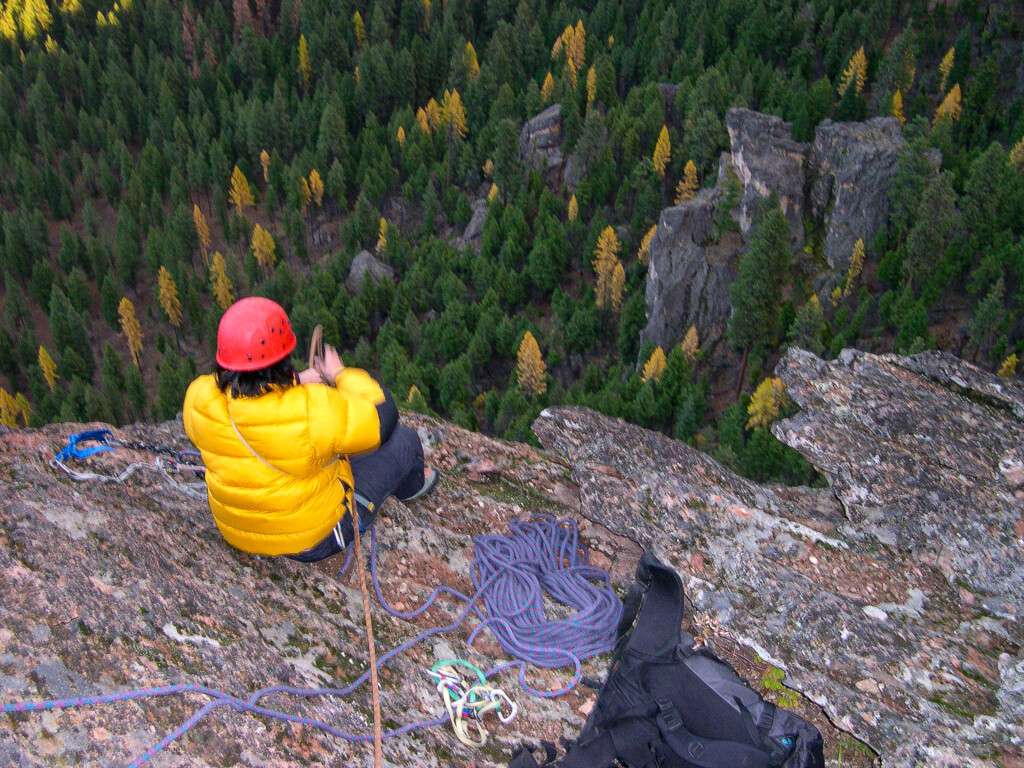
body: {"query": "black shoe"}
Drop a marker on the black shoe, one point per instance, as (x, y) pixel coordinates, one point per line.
(430, 478)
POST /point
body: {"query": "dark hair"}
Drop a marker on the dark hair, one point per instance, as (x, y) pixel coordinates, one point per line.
(258, 382)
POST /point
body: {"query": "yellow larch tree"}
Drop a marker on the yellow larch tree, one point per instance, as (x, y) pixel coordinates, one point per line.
(570, 73)
(591, 87)
(49, 368)
(488, 169)
(1017, 156)
(223, 290)
(433, 114)
(616, 285)
(263, 248)
(1009, 366)
(643, 254)
(946, 66)
(382, 235)
(167, 295)
(71, 6)
(304, 69)
(662, 152)
(548, 88)
(8, 410)
(606, 258)
(691, 344)
(316, 186)
(576, 51)
(856, 72)
(400, 136)
(655, 365)
(856, 266)
(766, 403)
(896, 110)
(687, 187)
(531, 371)
(356, 72)
(492, 193)
(469, 62)
(950, 106)
(240, 194)
(131, 329)
(202, 232)
(453, 114)
(305, 194)
(23, 406)
(421, 119)
(265, 162)
(359, 29)
(574, 208)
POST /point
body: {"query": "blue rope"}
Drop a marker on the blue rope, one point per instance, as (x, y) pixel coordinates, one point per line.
(509, 573)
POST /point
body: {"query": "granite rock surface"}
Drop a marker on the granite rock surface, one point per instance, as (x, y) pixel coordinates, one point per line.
(890, 598)
(851, 166)
(366, 265)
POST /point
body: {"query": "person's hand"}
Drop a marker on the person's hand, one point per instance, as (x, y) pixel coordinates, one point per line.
(309, 376)
(331, 365)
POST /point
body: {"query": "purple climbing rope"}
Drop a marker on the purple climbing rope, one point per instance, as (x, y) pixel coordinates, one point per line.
(510, 574)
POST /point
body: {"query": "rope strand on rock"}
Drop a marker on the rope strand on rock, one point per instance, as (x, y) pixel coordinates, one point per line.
(510, 573)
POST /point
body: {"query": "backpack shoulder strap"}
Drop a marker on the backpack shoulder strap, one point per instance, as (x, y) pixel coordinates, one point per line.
(652, 611)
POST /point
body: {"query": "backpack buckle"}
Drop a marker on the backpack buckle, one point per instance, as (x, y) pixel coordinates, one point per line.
(670, 715)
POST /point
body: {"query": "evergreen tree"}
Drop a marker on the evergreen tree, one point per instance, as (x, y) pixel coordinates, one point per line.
(808, 326)
(754, 323)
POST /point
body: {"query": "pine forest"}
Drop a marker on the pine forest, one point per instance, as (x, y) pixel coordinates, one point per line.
(362, 163)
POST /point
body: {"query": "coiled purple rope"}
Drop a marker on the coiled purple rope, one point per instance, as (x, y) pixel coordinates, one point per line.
(508, 573)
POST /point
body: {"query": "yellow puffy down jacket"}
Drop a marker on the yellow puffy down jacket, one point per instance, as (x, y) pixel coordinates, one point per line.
(304, 431)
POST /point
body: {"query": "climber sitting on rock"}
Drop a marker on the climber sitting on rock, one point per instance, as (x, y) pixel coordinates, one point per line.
(288, 455)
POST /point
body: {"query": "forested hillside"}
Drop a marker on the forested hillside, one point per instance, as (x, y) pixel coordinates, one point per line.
(158, 159)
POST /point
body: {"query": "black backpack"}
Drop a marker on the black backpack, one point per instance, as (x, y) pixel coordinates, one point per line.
(667, 704)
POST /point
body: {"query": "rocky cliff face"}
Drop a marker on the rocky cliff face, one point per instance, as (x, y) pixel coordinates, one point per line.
(767, 161)
(840, 183)
(689, 273)
(851, 168)
(540, 140)
(890, 598)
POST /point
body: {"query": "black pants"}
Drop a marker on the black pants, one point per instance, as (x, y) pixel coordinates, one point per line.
(396, 468)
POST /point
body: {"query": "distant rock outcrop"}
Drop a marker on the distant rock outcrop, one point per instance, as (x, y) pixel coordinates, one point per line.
(364, 265)
(540, 140)
(892, 599)
(848, 171)
(851, 166)
(473, 233)
(689, 273)
(768, 161)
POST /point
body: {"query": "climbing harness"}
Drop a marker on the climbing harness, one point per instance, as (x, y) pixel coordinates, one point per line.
(176, 463)
(468, 702)
(510, 574)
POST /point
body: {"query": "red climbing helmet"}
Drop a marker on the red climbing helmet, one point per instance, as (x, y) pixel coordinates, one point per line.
(254, 333)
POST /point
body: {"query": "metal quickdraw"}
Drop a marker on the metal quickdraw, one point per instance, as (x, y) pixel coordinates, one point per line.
(467, 703)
